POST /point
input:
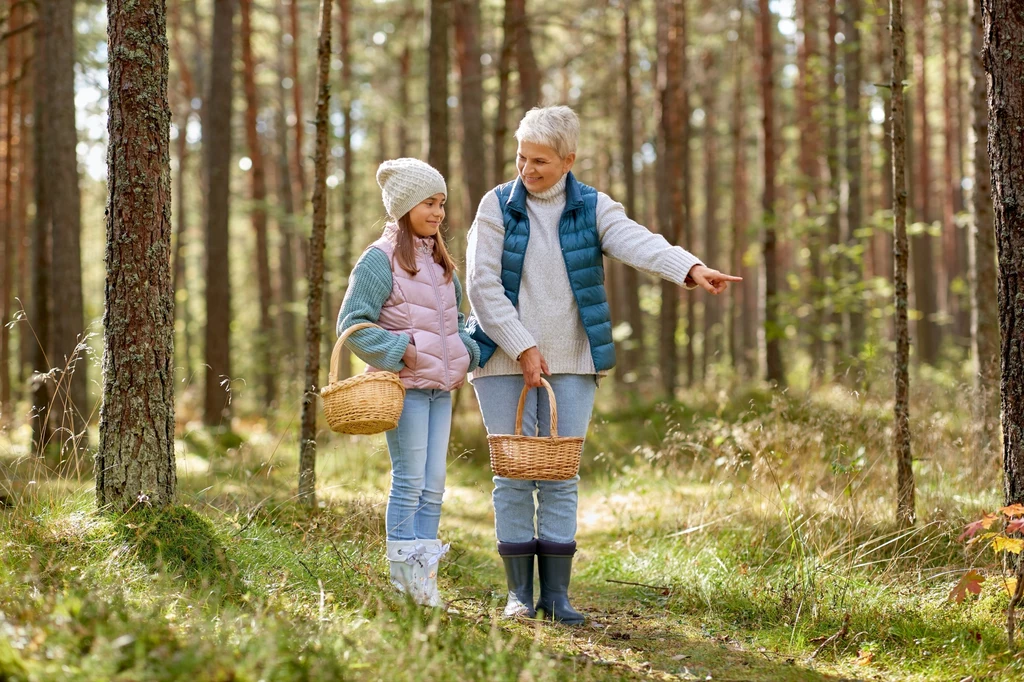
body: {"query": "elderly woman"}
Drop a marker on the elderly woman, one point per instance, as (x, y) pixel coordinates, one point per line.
(536, 284)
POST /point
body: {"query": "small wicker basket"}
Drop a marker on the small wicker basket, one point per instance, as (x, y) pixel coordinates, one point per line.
(536, 458)
(366, 403)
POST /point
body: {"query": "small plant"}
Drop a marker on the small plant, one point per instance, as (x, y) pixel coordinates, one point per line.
(1001, 531)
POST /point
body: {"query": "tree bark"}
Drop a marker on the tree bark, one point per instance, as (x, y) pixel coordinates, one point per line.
(135, 462)
(348, 181)
(315, 271)
(217, 160)
(42, 387)
(833, 228)
(925, 285)
(529, 75)
(905, 513)
(7, 214)
(983, 277)
(299, 167)
(266, 348)
(437, 91)
(1004, 62)
(775, 370)
(286, 217)
(712, 305)
(742, 328)
(504, 66)
(471, 90)
(854, 171)
(61, 163)
(633, 349)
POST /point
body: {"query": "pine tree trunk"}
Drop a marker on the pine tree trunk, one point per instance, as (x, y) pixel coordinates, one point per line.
(286, 217)
(265, 345)
(950, 182)
(504, 67)
(298, 165)
(346, 95)
(684, 184)
(26, 338)
(471, 89)
(42, 387)
(315, 271)
(1004, 62)
(775, 370)
(905, 513)
(186, 93)
(885, 264)
(135, 462)
(71, 404)
(741, 334)
(925, 284)
(712, 305)
(437, 90)
(632, 357)
(983, 276)
(217, 161)
(7, 216)
(404, 74)
(529, 76)
(833, 228)
(854, 170)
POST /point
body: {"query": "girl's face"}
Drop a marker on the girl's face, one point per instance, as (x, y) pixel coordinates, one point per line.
(540, 167)
(426, 217)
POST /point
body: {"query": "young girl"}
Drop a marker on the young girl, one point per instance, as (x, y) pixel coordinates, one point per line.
(406, 283)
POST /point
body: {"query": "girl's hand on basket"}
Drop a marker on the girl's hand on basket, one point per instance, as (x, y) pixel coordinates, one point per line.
(534, 365)
(712, 281)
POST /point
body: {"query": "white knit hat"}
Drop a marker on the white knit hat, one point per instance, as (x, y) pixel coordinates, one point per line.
(406, 182)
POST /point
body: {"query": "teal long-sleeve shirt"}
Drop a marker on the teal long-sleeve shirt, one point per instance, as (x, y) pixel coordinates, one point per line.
(369, 287)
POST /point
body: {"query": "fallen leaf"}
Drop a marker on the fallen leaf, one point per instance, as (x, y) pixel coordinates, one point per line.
(972, 528)
(864, 657)
(679, 657)
(1010, 584)
(970, 582)
(1001, 543)
(1016, 509)
(1015, 526)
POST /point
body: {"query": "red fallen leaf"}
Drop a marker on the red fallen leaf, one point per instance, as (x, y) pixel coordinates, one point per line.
(1015, 526)
(972, 528)
(970, 582)
(1015, 509)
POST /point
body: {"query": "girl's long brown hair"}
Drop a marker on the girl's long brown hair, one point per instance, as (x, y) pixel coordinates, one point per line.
(405, 249)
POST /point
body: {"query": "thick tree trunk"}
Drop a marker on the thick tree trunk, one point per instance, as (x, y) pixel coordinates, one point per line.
(135, 462)
(854, 171)
(529, 75)
(925, 282)
(266, 348)
(1004, 62)
(471, 90)
(905, 513)
(315, 271)
(775, 370)
(42, 387)
(217, 160)
(71, 404)
(983, 277)
(437, 90)
(629, 284)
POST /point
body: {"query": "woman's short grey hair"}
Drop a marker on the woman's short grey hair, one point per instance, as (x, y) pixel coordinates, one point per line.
(555, 127)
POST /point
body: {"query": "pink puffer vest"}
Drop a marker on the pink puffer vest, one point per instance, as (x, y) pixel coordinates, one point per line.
(423, 306)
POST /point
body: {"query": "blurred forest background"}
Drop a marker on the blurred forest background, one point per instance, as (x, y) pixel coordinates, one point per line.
(740, 476)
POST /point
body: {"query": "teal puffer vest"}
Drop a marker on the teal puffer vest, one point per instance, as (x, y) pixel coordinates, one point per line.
(584, 264)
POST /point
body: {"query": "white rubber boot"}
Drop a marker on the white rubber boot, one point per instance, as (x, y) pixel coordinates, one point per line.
(426, 571)
(405, 557)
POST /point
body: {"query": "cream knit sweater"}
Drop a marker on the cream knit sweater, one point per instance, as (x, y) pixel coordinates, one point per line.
(547, 316)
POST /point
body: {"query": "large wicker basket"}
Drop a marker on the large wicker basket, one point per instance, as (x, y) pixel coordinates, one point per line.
(366, 403)
(535, 458)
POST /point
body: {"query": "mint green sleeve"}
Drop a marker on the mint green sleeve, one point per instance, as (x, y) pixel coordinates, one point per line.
(369, 287)
(471, 345)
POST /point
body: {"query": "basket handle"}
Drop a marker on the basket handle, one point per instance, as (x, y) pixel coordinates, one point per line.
(336, 354)
(554, 409)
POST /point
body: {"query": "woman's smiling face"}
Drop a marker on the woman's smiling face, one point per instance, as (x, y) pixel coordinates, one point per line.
(540, 167)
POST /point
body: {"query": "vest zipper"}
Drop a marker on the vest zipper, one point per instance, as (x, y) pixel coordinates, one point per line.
(444, 332)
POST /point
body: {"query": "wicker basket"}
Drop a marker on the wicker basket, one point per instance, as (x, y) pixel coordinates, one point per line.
(535, 458)
(366, 403)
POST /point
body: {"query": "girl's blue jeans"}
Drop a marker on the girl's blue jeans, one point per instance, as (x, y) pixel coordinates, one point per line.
(517, 518)
(418, 447)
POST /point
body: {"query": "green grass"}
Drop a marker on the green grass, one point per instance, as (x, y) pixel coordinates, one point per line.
(727, 536)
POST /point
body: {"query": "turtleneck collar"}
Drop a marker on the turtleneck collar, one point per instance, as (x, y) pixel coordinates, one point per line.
(552, 194)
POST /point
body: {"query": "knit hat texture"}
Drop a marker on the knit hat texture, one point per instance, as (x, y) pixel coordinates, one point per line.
(405, 183)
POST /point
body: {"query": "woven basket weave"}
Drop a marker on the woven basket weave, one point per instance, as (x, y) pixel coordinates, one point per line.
(366, 403)
(535, 458)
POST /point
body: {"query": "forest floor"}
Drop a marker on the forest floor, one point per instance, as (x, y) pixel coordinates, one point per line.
(729, 537)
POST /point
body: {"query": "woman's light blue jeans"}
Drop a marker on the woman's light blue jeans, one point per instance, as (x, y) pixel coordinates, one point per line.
(419, 448)
(514, 507)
